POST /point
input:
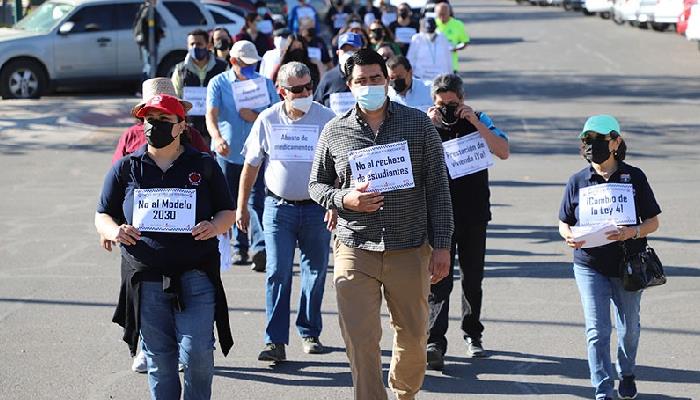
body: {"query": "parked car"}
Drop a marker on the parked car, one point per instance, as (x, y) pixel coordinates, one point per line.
(226, 15)
(692, 31)
(624, 11)
(573, 5)
(79, 42)
(602, 7)
(682, 23)
(666, 13)
(645, 13)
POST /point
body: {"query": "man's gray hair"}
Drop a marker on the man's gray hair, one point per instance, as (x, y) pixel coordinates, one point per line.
(448, 83)
(291, 69)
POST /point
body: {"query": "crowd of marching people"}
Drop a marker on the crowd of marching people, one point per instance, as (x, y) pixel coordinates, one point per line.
(264, 141)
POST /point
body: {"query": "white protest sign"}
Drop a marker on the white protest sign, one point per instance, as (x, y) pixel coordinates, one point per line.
(388, 18)
(198, 97)
(386, 167)
(165, 210)
(314, 53)
(251, 93)
(339, 20)
(293, 142)
(593, 235)
(614, 202)
(466, 155)
(341, 102)
(265, 26)
(427, 70)
(306, 13)
(404, 34)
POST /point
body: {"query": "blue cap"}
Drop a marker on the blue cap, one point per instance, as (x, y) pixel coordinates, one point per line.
(353, 39)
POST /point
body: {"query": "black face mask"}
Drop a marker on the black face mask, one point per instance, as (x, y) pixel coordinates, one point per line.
(403, 13)
(598, 151)
(430, 25)
(377, 34)
(222, 44)
(399, 85)
(449, 117)
(311, 32)
(158, 133)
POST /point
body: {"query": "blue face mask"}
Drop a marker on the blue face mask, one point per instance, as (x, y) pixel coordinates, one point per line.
(199, 53)
(262, 11)
(248, 71)
(370, 98)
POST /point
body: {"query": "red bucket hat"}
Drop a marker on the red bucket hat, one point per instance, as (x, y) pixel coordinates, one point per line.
(162, 102)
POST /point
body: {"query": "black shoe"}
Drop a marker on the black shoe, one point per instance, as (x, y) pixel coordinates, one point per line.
(273, 352)
(627, 389)
(476, 349)
(436, 357)
(312, 345)
(240, 258)
(259, 261)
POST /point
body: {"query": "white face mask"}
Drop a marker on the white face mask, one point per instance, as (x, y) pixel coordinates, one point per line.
(343, 58)
(279, 42)
(302, 104)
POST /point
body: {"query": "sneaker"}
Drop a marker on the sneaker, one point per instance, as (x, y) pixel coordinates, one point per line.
(312, 345)
(627, 389)
(140, 364)
(259, 261)
(476, 348)
(181, 367)
(273, 352)
(240, 258)
(436, 357)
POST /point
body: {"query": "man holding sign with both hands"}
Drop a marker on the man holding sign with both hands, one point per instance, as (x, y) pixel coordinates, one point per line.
(469, 138)
(390, 167)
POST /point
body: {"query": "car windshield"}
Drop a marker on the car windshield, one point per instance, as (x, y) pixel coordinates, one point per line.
(44, 18)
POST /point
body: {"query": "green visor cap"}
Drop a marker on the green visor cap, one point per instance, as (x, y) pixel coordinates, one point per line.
(601, 124)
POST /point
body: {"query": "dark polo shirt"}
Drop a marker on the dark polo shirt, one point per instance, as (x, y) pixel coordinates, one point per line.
(606, 259)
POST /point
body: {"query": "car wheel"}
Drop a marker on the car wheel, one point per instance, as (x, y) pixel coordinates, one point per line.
(22, 79)
(168, 63)
(605, 15)
(659, 27)
(568, 6)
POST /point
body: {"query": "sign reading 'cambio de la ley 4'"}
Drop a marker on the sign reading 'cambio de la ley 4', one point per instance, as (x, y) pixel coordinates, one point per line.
(165, 210)
(605, 203)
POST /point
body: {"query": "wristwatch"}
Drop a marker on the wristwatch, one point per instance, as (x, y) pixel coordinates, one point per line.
(636, 232)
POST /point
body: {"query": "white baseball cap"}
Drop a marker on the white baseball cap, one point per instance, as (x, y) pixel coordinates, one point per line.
(245, 51)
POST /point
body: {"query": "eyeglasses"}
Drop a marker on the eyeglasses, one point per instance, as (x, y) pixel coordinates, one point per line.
(300, 88)
(596, 138)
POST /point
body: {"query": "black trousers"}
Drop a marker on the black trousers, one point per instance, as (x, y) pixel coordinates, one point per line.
(469, 241)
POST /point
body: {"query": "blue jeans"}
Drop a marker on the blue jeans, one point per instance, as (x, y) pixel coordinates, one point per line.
(232, 173)
(597, 292)
(167, 333)
(285, 225)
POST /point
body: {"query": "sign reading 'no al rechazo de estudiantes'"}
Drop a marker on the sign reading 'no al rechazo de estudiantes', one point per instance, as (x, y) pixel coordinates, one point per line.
(170, 210)
(386, 167)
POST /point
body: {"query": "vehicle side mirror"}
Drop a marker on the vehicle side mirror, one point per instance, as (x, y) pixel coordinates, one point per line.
(66, 27)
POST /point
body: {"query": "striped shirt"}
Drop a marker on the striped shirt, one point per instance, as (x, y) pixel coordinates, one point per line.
(403, 220)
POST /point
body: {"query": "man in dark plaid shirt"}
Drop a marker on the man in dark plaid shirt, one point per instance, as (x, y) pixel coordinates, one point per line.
(382, 237)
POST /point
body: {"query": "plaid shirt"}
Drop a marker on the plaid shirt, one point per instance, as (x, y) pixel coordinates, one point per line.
(403, 220)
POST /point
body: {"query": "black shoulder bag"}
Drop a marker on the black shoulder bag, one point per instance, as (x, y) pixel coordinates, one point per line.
(642, 270)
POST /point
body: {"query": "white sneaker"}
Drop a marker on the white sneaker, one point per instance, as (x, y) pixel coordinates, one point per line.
(140, 365)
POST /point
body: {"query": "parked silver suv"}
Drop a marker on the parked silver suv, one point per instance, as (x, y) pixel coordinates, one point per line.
(69, 42)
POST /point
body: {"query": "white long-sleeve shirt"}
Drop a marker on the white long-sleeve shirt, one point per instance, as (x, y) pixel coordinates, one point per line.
(429, 58)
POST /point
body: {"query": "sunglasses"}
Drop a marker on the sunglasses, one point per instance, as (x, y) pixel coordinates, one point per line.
(300, 88)
(596, 138)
